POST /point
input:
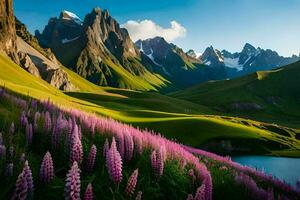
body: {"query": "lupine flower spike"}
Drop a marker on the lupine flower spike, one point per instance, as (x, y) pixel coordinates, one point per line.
(132, 183)
(47, 169)
(72, 187)
(91, 158)
(114, 163)
(88, 195)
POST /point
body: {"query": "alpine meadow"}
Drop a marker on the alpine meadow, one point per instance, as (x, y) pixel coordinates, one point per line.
(122, 100)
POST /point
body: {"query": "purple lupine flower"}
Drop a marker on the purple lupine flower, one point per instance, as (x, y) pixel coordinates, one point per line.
(9, 171)
(200, 193)
(1, 138)
(88, 195)
(24, 185)
(190, 197)
(23, 119)
(270, 194)
(76, 152)
(37, 117)
(91, 158)
(29, 134)
(2, 151)
(114, 163)
(132, 183)
(28, 175)
(21, 189)
(47, 122)
(72, 187)
(139, 195)
(129, 146)
(47, 169)
(105, 148)
(120, 145)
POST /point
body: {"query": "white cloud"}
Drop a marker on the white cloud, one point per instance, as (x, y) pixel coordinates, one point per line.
(148, 29)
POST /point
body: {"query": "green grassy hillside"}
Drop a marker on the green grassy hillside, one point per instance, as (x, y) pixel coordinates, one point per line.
(189, 123)
(270, 96)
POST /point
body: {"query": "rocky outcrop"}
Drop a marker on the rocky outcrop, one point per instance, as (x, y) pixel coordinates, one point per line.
(28, 65)
(59, 79)
(7, 30)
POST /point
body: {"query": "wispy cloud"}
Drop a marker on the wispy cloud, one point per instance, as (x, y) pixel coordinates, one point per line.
(148, 29)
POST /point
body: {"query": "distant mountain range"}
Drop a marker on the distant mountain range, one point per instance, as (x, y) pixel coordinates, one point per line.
(99, 50)
(249, 60)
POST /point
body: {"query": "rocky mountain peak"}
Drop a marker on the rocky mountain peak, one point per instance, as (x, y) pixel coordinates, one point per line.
(249, 49)
(191, 53)
(212, 57)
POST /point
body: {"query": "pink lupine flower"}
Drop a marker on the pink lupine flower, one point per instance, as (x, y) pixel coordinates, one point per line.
(138, 145)
(88, 195)
(114, 163)
(154, 161)
(139, 195)
(157, 162)
(76, 152)
(47, 169)
(131, 184)
(91, 158)
(105, 148)
(182, 164)
(200, 193)
(29, 134)
(72, 187)
(190, 197)
(129, 146)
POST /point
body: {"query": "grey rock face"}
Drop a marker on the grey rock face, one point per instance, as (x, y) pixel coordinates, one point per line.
(28, 65)
(59, 79)
(7, 30)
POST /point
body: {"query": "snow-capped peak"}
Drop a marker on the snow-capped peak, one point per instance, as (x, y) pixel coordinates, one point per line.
(67, 15)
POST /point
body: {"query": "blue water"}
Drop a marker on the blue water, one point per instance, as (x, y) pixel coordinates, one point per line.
(286, 169)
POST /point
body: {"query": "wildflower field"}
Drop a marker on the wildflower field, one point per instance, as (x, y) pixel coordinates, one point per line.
(48, 152)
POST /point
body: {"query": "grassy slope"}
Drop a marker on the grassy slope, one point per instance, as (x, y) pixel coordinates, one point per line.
(174, 118)
(276, 91)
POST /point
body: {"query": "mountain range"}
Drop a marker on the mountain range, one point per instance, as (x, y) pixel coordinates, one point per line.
(99, 50)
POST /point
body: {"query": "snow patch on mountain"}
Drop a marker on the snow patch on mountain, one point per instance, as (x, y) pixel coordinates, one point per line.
(233, 63)
(67, 15)
(66, 40)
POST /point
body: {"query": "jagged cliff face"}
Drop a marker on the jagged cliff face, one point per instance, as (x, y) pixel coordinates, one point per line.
(7, 30)
(92, 47)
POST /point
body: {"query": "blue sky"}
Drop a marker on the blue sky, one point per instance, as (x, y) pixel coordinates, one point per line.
(225, 24)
